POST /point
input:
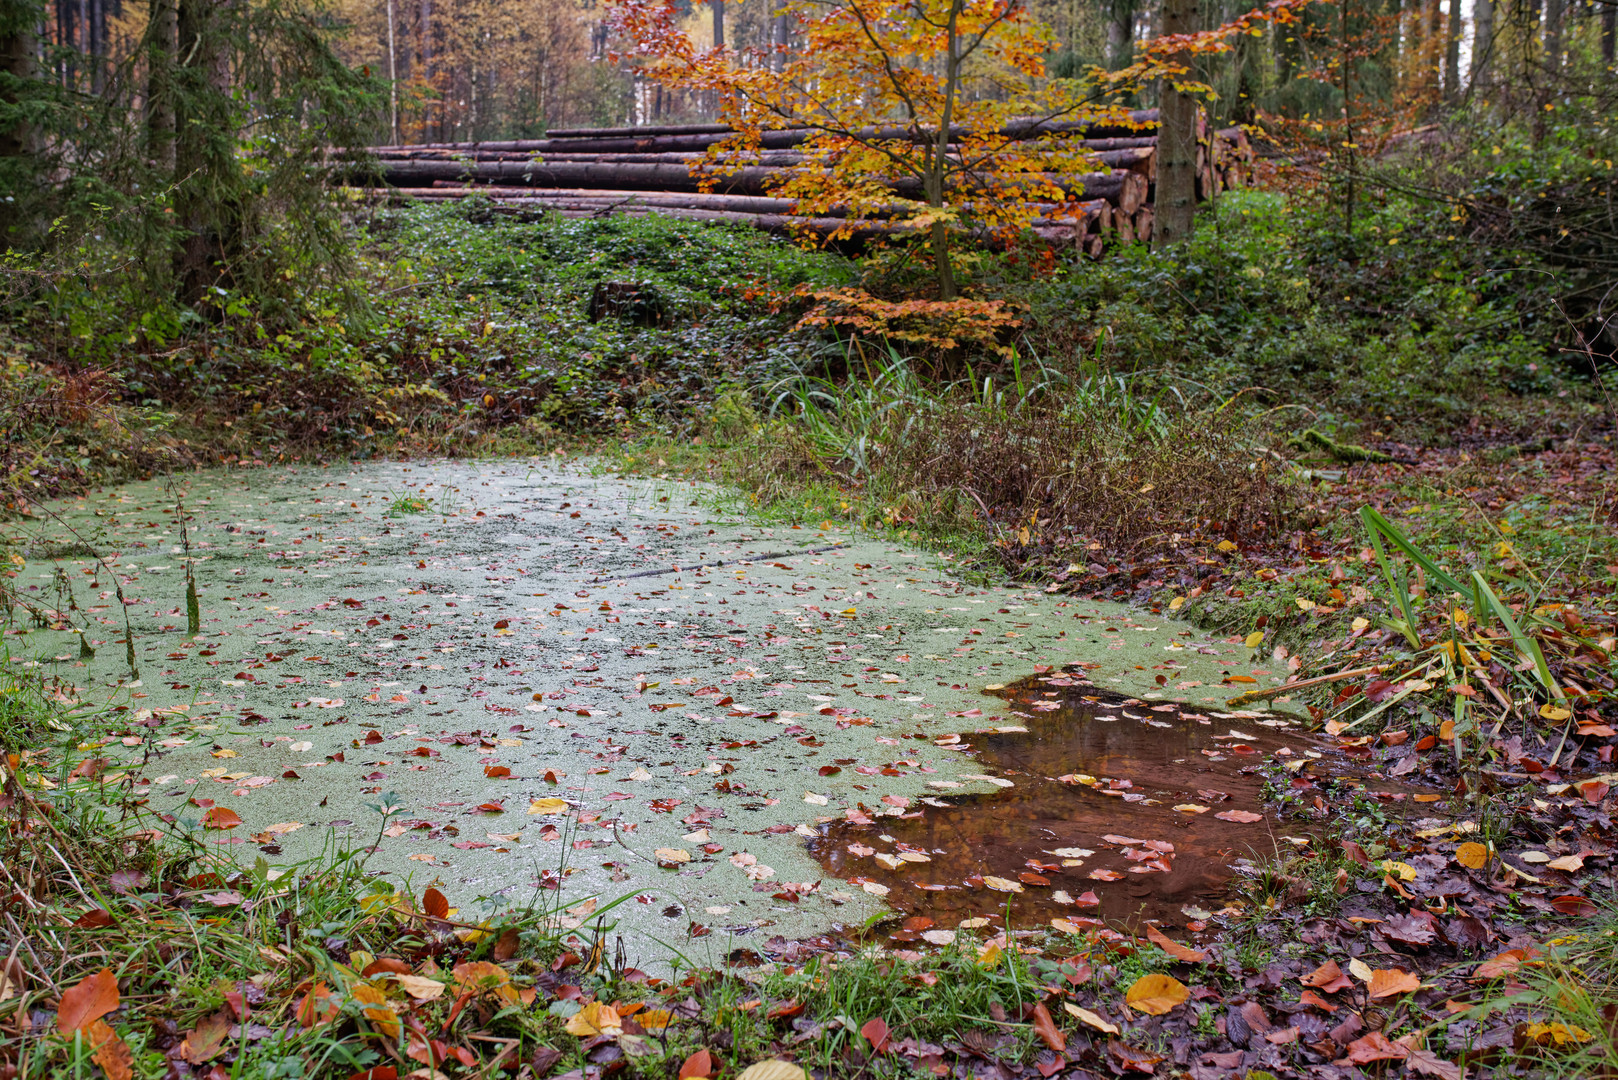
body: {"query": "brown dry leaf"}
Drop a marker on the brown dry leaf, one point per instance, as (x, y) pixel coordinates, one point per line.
(1390, 982)
(1430, 1064)
(773, 1069)
(205, 1043)
(1085, 1016)
(1156, 994)
(420, 988)
(1375, 1047)
(1174, 948)
(87, 1001)
(434, 905)
(1472, 855)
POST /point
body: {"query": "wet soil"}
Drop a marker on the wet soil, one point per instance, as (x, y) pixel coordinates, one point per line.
(1113, 810)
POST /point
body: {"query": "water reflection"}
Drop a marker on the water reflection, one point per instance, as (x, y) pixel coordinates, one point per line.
(1112, 813)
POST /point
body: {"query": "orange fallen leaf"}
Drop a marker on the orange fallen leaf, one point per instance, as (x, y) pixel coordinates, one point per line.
(87, 1001)
(1045, 1027)
(1472, 855)
(1390, 982)
(698, 1066)
(1174, 948)
(221, 817)
(1328, 977)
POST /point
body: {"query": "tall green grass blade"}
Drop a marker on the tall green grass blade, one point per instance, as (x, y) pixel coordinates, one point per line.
(1376, 523)
(1525, 644)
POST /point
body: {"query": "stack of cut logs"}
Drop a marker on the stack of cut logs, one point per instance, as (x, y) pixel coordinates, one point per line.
(594, 172)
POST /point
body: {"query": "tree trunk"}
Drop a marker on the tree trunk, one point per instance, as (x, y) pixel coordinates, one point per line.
(1452, 53)
(207, 196)
(1555, 16)
(1609, 33)
(1483, 40)
(393, 76)
(1120, 34)
(424, 49)
(780, 34)
(162, 35)
(1176, 140)
(19, 141)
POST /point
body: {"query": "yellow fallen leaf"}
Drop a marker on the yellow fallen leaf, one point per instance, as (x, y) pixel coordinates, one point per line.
(1401, 870)
(1156, 994)
(595, 1019)
(1191, 808)
(1304, 605)
(1177, 603)
(1000, 884)
(1360, 970)
(1554, 712)
(989, 955)
(1472, 855)
(1254, 639)
(773, 1069)
(1085, 1016)
(668, 856)
(547, 806)
(1226, 545)
(1555, 1034)
(376, 1008)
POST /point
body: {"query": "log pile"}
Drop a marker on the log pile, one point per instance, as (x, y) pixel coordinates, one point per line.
(593, 172)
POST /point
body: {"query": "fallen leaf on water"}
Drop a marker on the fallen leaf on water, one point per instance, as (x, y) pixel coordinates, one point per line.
(1156, 994)
(547, 806)
(1000, 884)
(1240, 817)
(221, 817)
(672, 856)
(1085, 1016)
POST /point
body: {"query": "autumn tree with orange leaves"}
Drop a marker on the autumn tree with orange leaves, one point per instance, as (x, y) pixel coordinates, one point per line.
(938, 115)
(912, 109)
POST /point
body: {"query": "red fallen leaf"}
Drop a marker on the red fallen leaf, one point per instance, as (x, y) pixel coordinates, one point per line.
(1030, 878)
(1049, 1065)
(616, 796)
(785, 1010)
(316, 1007)
(1088, 899)
(1309, 997)
(829, 770)
(434, 905)
(495, 772)
(489, 808)
(1240, 817)
(1427, 742)
(698, 1066)
(87, 1001)
(1328, 977)
(391, 965)
(1573, 904)
(1133, 1060)
(376, 1072)
(876, 1033)
(221, 817)
(94, 919)
(1593, 791)
(918, 923)
(1046, 1029)
(1375, 1047)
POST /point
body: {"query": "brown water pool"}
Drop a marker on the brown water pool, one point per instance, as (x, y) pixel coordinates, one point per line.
(1117, 810)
